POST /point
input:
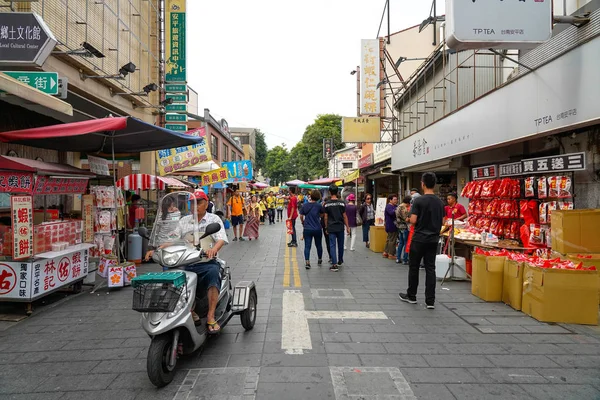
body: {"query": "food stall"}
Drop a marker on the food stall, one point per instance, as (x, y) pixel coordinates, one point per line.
(41, 251)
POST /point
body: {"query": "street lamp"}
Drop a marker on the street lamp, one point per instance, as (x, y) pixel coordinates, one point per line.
(125, 70)
(151, 87)
(403, 59)
(357, 73)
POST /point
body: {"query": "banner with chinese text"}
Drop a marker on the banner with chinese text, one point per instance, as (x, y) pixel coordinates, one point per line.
(87, 206)
(48, 185)
(22, 223)
(99, 166)
(175, 41)
(180, 158)
(370, 94)
(212, 177)
(16, 182)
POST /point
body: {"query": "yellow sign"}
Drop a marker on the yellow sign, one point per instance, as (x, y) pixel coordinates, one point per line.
(212, 177)
(181, 158)
(352, 176)
(361, 129)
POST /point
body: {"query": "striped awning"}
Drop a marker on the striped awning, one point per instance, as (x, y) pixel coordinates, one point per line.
(148, 182)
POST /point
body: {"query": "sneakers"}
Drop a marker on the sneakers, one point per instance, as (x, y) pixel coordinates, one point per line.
(430, 306)
(404, 297)
(235, 239)
(397, 261)
(319, 262)
(340, 263)
(242, 239)
(307, 265)
(334, 268)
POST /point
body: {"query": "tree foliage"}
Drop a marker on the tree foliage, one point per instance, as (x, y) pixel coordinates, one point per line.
(261, 150)
(277, 165)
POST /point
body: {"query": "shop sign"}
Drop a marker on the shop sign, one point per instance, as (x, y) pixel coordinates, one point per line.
(487, 172)
(238, 171)
(98, 166)
(48, 185)
(22, 224)
(176, 88)
(176, 107)
(349, 156)
(172, 160)
(46, 82)
(380, 211)
(25, 40)
(542, 165)
(177, 127)
(16, 182)
(212, 177)
(88, 218)
(175, 41)
(365, 161)
(381, 152)
(52, 273)
(352, 176)
(361, 129)
(511, 169)
(177, 98)
(370, 95)
(176, 117)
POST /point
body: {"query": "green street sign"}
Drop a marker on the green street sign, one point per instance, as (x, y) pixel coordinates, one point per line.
(46, 82)
(176, 107)
(177, 127)
(175, 44)
(176, 117)
(176, 88)
(177, 98)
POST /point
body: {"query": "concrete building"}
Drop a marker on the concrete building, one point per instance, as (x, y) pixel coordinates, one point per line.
(223, 146)
(247, 138)
(344, 161)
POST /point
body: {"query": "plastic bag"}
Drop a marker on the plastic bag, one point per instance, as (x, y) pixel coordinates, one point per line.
(529, 187)
(564, 189)
(542, 185)
(553, 186)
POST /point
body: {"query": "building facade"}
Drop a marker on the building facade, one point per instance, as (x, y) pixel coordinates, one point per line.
(223, 146)
(247, 138)
(344, 161)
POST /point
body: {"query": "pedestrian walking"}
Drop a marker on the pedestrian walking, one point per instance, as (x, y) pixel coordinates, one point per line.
(402, 218)
(235, 210)
(263, 209)
(253, 222)
(280, 205)
(367, 214)
(292, 214)
(390, 227)
(335, 221)
(351, 214)
(325, 234)
(310, 217)
(271, 205)
(427, 214)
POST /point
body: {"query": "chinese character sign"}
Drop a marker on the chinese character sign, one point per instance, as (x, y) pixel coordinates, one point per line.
(25, 40)
(22, 223)
(212, 177)
(99, 166)
(238, 171)
(181, 158)
(47, 185)
(370, 96)
(16, 182)
(175, 41)
(87, 205)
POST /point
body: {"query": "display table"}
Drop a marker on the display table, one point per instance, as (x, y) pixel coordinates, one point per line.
(377, 237)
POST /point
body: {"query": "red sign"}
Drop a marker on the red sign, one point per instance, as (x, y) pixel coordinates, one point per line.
(8, 279)
(16, 182)
(47, 185)
(487, 172)
(22, 223)
(365, 161)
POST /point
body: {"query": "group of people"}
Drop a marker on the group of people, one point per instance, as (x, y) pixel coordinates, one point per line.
(247, 214)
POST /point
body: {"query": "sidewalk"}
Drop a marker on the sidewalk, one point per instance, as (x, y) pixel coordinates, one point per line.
(345, 333)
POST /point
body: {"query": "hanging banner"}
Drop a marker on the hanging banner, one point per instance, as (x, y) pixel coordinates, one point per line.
(172, 160)
(22, 224)
(370, 95)
(48, 185)
(16, 182)
(238, 171)
(212, 177)
(361, 129)
(175, 41)
(99, 166)
(88, 218)
(352, 176)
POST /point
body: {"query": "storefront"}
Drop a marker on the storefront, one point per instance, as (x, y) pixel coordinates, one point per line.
(379, 177)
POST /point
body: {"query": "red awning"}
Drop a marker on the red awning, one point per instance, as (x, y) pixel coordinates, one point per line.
(148, 182)
(65, 130)
(39, 167)
(324, 181)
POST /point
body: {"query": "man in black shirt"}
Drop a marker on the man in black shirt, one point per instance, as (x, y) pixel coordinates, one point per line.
(427, 214)
(335, 221)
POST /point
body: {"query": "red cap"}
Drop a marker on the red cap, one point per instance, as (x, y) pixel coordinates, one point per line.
(199, 195)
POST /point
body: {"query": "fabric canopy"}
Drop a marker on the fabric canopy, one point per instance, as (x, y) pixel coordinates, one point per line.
(259, 185)
(148, 182)
(8, 163)
(295, 182)
(311, 186)
(324, 181)
(130, 135)
(198, 169)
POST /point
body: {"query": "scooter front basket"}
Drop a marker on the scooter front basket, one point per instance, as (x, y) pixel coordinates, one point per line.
(156, 297)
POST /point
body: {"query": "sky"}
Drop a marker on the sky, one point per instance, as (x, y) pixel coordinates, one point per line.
(276, 65)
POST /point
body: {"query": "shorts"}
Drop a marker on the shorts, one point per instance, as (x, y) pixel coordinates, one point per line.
(237, 220)
(209, 274)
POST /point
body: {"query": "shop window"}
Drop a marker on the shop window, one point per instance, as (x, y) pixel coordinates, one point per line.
(233, 156)
(347, 165)
(225, 152)
(214, 146)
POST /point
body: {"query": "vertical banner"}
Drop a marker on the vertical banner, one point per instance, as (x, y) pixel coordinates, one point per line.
(175, 41)
(370, 95)
(22, 218)
(88, 218)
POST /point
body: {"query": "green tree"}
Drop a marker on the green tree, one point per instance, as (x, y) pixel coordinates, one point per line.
(261, 150)
(277, 165)
(309, 152)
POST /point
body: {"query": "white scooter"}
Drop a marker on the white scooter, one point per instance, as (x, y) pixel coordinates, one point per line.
(165, 299)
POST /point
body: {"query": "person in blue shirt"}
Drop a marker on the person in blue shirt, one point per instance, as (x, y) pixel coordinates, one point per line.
(310, 217)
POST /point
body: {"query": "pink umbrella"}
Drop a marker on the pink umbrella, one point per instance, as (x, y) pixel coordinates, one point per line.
(295, 182)
(324, 181)
(260, 185)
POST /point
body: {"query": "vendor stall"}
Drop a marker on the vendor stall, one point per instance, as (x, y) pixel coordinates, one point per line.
(42, 251)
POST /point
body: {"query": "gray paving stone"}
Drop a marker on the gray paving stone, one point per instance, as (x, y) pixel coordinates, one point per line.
(76, 382)
(294, 374)
(343, 360)
(287, 360)
(488, 392)
(429, 391)
(507, 375)
(571, 375)
(392, 360)
(14, 383)
(437, 375)
(550, 338)
(415, 348)
(534, 348)
(378, 338)
(100, 395)
(355, 348)
(434, 338)
(578, 361)
(244, 360)
(448, 361)
(561, 392)
(522, 361)
(587, 349)
(32, 396)
(119, 366)
(474, 348)
(348, 328)
(295, 391)
(139, 380)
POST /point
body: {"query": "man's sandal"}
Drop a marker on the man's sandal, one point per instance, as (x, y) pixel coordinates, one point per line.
(213, 328)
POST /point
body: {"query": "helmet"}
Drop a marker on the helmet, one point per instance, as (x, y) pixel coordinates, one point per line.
(199, 195)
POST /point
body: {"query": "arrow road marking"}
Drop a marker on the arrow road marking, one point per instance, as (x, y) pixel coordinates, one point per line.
(295, 334)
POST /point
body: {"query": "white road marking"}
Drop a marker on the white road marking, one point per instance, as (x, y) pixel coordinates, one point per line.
(295, 334)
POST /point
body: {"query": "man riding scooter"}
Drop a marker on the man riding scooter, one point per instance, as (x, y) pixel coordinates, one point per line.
(209, 276)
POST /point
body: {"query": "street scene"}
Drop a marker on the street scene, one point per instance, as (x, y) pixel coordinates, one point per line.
(337, 200)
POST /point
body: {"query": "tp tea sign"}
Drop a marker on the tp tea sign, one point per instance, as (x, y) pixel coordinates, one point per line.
(510, 24)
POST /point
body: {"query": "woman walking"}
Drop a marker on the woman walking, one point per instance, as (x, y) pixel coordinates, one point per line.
(390, 227)
(310, 217)
(263, 209)
(402, 218)
(253, 222)
(351, 214)
(367, 214)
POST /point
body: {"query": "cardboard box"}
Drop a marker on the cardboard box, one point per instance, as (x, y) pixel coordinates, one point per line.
(377, 238)
(512, 286)
(487, 278)
(588, 260)
(560, 295)
(576, 231)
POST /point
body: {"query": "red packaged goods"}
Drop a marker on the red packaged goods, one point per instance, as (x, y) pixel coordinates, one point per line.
(516, 191)
(477, 187)
(492, 253)
(553, 205)
(542, 185)
(553, 186)
(535, 235)
(494, 226)
(479, 207)
(465, 191)
(544, 213)
(529, 187)
(514, 230)
(564, 188)
(533, 208)
(565, 205)
(524, 234)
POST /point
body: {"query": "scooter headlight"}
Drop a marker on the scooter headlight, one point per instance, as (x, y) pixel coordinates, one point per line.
(170, 259)
(181, 303)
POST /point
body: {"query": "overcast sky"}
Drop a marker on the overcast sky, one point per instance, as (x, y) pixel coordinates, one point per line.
(275, 65)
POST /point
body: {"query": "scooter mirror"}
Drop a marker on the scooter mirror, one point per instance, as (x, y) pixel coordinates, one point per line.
(143, 232)
(211, 229)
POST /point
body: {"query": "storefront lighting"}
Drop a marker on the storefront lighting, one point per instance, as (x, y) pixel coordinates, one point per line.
(152, 87)
(125, 70)
(86, 50)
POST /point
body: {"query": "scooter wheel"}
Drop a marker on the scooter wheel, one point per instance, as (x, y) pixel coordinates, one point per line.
(159, 372)
(248, 316)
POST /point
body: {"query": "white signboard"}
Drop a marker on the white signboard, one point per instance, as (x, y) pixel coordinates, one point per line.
(530, 107)
(370, 96)
(22, 222)
(381, 152)
(380, 211)
(99, 166)
(510, 24)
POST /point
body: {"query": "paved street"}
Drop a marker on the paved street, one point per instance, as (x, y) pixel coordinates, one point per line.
(319, 335)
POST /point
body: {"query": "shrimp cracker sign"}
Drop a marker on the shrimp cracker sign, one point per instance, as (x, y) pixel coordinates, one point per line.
(22, 218)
